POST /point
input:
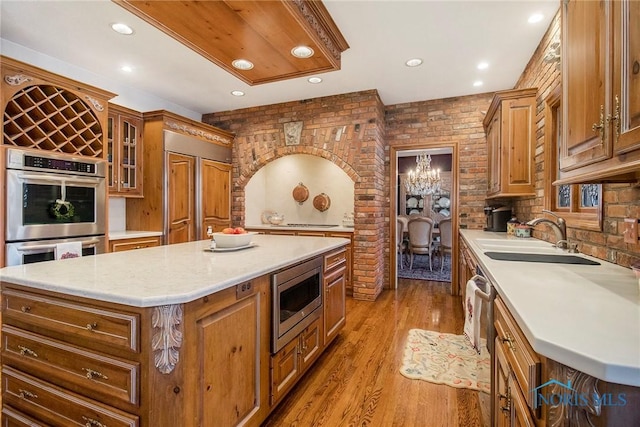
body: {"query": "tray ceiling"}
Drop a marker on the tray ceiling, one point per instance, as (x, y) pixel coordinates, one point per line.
(263, 32)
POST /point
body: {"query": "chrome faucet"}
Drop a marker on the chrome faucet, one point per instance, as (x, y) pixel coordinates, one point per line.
(559, 228)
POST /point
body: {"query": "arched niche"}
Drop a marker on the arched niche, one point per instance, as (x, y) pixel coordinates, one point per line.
(271, 187)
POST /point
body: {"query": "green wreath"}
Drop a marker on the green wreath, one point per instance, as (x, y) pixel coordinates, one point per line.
(62, 210)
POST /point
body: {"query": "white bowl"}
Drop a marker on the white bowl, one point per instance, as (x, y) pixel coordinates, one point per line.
(233, 240)
(276, 219)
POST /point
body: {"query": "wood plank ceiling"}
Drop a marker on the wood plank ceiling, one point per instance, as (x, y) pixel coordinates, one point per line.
(263, 32)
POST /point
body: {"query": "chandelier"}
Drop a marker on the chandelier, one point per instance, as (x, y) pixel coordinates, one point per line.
(423, 180)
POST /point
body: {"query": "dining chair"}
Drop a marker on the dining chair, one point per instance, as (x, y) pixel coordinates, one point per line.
(420, 238)
(446, 240)
(400, 242)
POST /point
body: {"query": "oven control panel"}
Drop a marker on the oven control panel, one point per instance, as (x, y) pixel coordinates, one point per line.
(55, 162)
(59, 164)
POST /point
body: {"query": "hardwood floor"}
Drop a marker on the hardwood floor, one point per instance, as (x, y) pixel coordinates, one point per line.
(357, 382)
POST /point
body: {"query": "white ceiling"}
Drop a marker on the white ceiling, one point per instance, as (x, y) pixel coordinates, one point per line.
(73, 38)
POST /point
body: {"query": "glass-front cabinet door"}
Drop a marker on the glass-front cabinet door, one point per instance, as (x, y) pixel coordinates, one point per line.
(124, 152)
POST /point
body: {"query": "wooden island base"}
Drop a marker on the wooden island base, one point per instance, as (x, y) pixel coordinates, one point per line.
(68, 360)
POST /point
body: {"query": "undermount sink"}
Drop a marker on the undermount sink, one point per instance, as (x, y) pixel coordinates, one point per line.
(519, 243)
(540, 257)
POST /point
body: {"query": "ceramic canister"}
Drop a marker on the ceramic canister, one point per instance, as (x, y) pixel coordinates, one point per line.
(511, 226)
(523, 230)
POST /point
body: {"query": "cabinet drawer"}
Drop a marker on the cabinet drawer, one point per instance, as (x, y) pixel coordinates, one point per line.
(83, 322)
(56, 406)
(524, 361)
(71, 367)
(335, 259)
(12, 418)
(130, 244)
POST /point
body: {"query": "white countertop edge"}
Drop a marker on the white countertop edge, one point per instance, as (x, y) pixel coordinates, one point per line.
(606, 370)
(105, 295)
(131, 234)
(338, 228)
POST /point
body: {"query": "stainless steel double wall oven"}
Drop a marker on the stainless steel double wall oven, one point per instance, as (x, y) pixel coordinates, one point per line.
(53, 198)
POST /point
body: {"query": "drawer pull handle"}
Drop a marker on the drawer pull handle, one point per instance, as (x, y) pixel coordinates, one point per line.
(25, 309)
(507, 407)
(599, 127)
(90, 422)
(27, 351)
(91, 374)
(510, 342)
(27, 394)
(92, 326)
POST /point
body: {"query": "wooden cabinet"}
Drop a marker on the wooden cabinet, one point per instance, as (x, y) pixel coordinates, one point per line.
(510, 128)
(119, 245)
(181, 192)
(124, 152)
(185, 190)
(601, 82)
(232, 344)
(517, 371)
(66, 362)
(45, 111)
(216, 196)
(335, 267)
(501, 399)
(74, 361)
(293, 360)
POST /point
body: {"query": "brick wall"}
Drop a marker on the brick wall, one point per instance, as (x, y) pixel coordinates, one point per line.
(346, 129)
(456, 121)
(619, 200)
(355, 132)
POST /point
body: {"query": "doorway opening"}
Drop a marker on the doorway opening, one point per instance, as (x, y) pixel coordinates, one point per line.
(440, 205)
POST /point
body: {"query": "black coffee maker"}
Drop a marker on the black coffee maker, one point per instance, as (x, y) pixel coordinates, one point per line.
(497, 218)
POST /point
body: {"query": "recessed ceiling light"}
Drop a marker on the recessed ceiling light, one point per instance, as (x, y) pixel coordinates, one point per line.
(483, 65)
(414, 62)
(302, 52)
(126, 68)
(242, 64)
(536, 17)
(314, 80)
(237, 93)
(121, 28)
(477, 83)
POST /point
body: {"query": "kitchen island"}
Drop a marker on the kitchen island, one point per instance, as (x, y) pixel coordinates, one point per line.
(169, 335)
(581, 324)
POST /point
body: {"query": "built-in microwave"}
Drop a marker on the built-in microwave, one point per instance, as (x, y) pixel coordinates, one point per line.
(297, 300)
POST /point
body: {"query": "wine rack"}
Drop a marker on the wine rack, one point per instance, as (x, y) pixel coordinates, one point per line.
(45, 111)
(50, 118)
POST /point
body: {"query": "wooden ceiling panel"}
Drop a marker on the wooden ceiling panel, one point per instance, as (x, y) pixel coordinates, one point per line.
(263, 32)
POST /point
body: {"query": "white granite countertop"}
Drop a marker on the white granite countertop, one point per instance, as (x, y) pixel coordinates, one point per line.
(583, 316)
(132, 234)
(169, 274)
(339, 228)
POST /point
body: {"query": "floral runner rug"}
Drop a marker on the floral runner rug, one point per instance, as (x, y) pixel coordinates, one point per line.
(449, 359)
